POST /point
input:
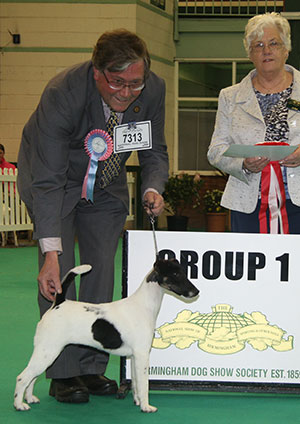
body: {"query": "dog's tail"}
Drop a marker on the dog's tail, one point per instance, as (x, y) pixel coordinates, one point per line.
(67, 280)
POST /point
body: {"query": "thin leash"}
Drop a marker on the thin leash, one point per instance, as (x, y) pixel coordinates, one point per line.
(152, 221)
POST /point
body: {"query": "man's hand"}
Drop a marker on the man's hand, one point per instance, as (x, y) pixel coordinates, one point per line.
(48, 278)
(153, 203)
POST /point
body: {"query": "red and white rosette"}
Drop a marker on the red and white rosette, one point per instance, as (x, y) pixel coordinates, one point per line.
(273, 197)
(98, 145)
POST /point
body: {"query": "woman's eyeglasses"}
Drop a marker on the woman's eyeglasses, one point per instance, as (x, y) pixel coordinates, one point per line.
(260, 46)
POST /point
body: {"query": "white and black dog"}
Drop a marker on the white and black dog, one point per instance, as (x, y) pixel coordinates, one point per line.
(125, 327)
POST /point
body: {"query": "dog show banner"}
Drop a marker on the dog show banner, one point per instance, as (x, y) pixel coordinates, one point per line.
(243, 329)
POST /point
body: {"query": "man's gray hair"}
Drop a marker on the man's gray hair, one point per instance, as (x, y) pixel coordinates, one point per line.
(116, 50)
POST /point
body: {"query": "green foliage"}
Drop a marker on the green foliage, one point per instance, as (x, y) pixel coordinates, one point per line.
(182, 191)
(212, 201)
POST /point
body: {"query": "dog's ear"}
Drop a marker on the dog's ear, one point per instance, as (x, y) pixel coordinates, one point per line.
(153, 276)
(175, 261)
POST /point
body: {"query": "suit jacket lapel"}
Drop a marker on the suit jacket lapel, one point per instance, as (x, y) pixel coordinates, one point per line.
(135, 112)
(246, 96)
(295, 94)
(247, 99)
(94, 108)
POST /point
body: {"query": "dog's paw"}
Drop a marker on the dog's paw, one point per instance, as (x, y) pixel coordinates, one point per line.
(136, 400)
(22, 407)
(32, 399)
(148, 408)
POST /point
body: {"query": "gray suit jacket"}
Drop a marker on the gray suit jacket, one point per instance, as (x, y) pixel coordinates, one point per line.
(52, 162)
(239, 121)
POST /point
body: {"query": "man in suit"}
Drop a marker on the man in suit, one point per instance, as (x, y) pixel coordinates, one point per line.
(55, 162)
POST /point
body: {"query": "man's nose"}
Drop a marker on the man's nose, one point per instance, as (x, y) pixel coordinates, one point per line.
(125, 91)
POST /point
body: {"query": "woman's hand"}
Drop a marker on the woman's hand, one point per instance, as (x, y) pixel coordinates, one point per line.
(255, 164)
(293, 160)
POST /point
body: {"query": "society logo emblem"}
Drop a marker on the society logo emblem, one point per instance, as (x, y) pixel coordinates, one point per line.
(222, 332)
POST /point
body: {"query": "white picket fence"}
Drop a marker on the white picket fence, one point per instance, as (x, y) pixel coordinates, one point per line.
(13, 213)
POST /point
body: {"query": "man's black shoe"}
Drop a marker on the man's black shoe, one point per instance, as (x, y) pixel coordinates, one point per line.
(99, 385)
(70, 390)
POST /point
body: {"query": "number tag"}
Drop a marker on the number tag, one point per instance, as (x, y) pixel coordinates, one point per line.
(132, 136)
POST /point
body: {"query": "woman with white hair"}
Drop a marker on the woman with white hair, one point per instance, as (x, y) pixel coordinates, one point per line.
(264, 108)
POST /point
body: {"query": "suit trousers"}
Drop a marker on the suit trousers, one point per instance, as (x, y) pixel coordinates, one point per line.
(97, 227)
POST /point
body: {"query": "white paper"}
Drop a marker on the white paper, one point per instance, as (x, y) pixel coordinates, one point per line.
(271, 152)
(132, 136)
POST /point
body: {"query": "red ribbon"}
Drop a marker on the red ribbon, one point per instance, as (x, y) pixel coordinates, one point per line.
(273, 197)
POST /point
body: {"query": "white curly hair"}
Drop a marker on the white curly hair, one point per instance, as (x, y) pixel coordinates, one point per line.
(256, 25)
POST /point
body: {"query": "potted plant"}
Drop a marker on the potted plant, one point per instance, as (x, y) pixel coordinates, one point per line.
(181, 192)
(216, 215)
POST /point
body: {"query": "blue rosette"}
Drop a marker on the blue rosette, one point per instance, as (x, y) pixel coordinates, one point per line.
(98, 145)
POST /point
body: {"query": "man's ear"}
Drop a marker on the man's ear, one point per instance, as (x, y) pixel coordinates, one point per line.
(97, 73)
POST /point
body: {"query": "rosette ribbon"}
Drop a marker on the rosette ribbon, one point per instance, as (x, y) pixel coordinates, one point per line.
(273, 197)
(98, 145)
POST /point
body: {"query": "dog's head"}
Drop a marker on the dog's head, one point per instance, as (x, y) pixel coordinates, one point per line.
(169, 275)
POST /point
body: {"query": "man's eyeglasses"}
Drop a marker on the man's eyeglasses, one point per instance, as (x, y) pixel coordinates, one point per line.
(260, 46)
(119, 84)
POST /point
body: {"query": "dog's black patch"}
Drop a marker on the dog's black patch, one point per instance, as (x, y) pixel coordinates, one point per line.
(107, 334)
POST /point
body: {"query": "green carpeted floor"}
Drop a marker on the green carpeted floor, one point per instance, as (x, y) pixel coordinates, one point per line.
(18, 317)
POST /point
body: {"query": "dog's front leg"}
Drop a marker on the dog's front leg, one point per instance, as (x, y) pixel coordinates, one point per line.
(140, 382)
(133, 383)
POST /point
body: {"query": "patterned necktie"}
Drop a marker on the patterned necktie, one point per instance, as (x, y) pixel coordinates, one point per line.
(111, 167)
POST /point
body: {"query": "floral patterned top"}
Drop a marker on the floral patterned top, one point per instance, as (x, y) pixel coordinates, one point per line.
(275, 111)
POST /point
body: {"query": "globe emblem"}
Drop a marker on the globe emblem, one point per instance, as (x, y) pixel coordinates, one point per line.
(222, 316)
(222, 332)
